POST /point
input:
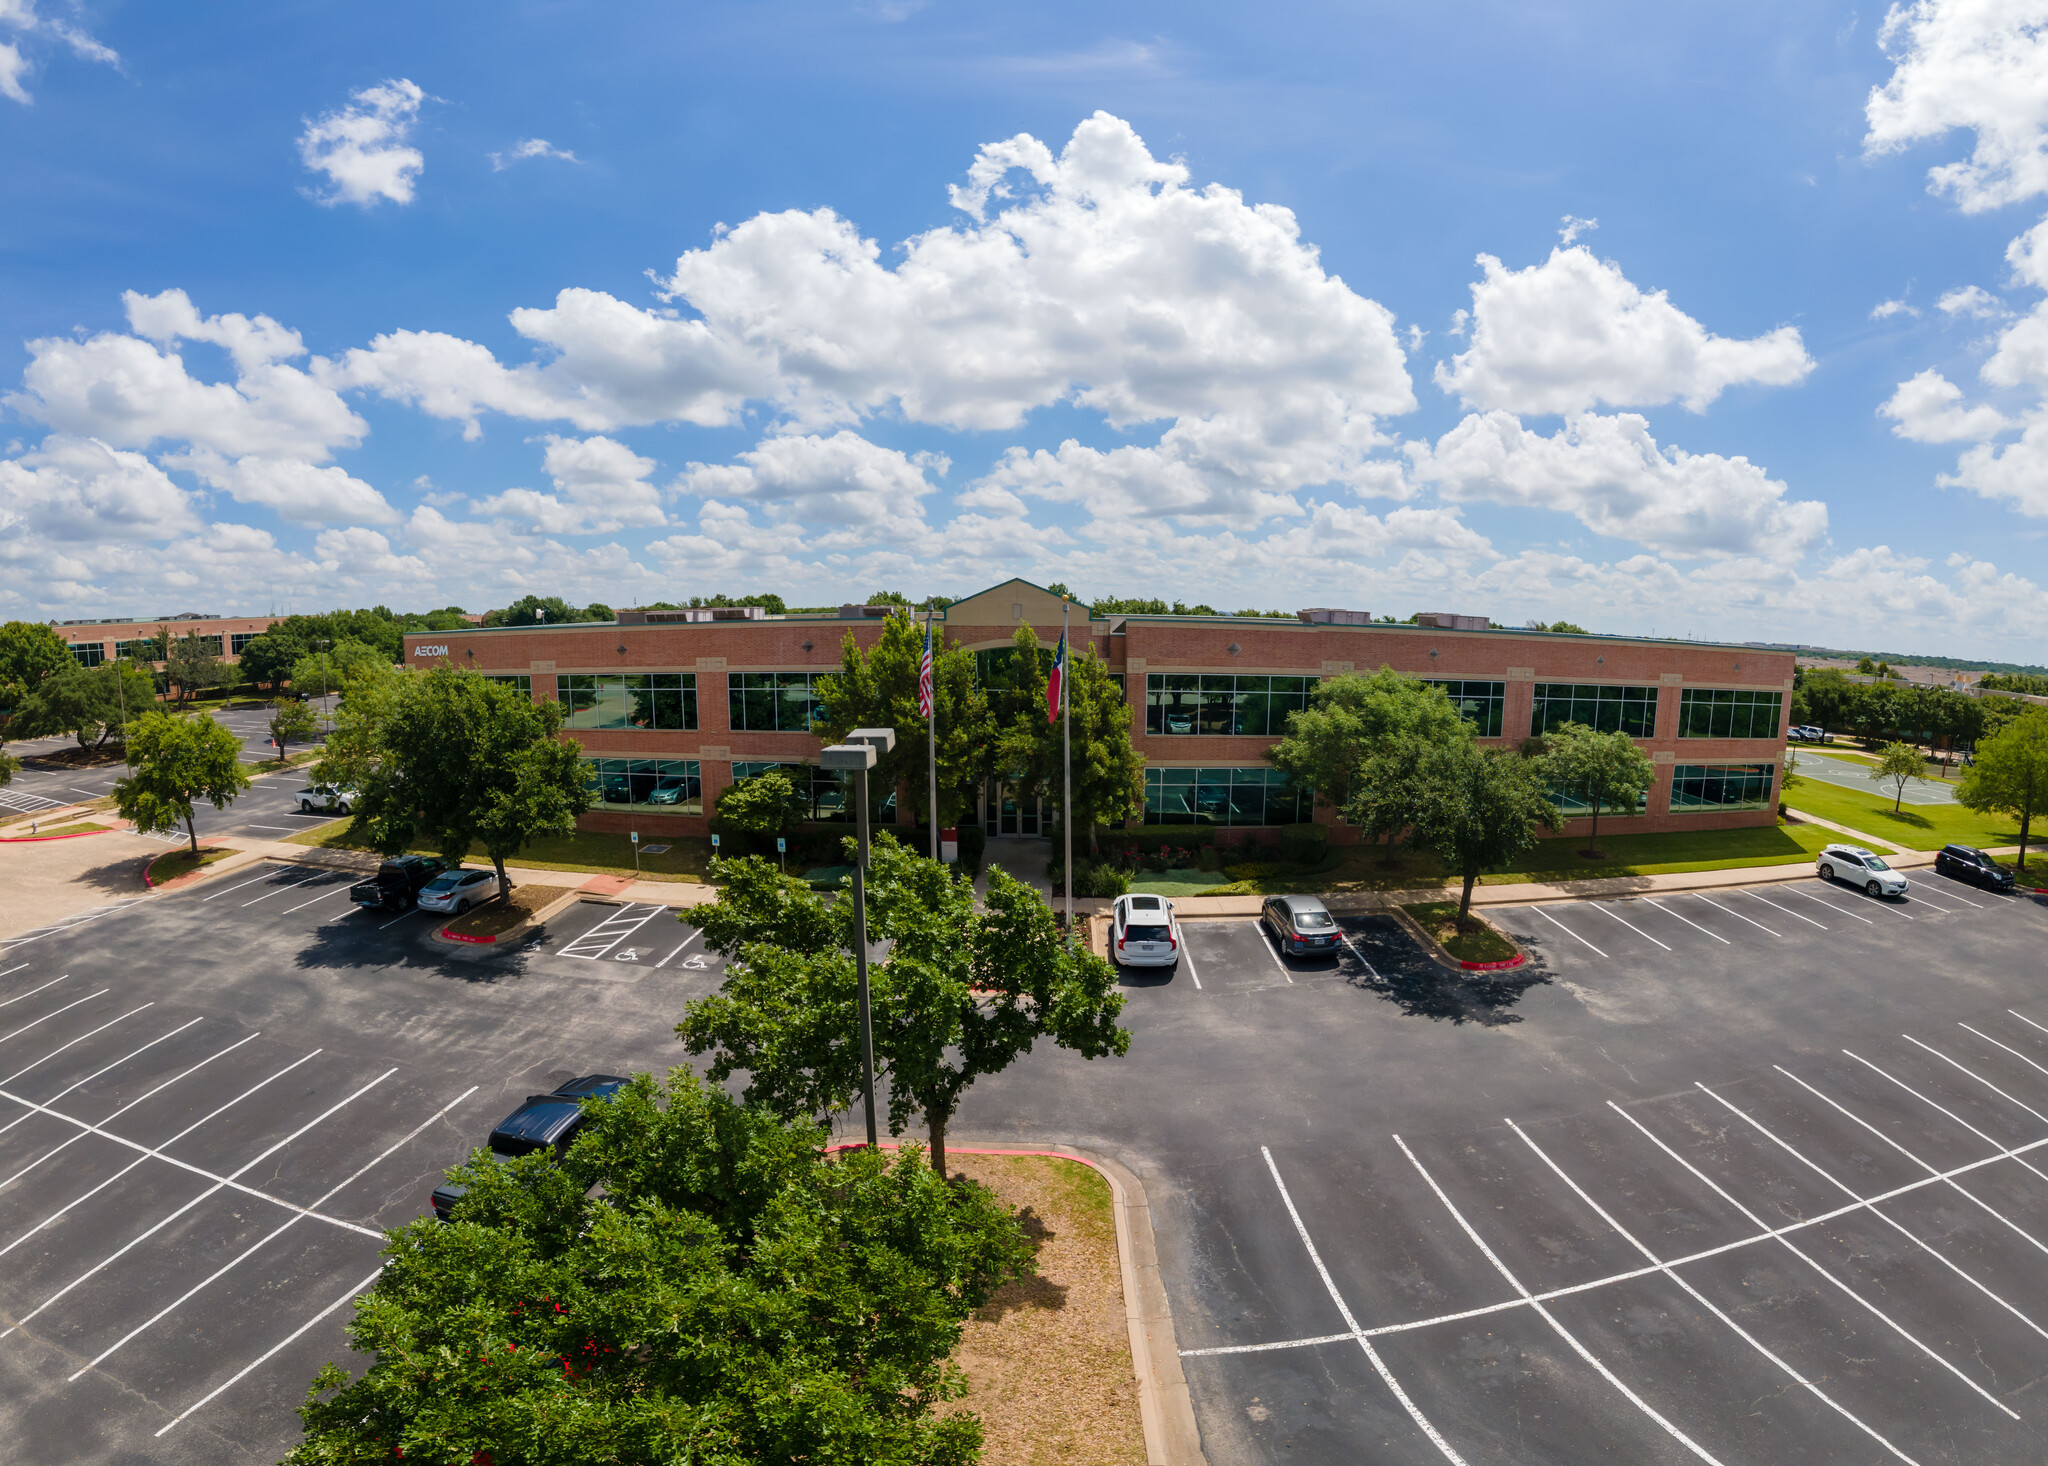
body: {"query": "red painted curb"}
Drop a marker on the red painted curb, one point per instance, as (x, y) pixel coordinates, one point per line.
(1515, 961)
(459, 937)
(74, 835)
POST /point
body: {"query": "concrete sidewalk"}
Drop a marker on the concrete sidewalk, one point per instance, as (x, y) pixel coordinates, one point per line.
(610, 887)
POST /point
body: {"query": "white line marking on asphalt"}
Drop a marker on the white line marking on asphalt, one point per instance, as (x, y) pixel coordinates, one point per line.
(140, 1159)
(1379, 1366)
(2025, 1019)
(1846, 1190)
(1689, 922)
(401, 917)
(11, 971)
(36, 934)
(267, 1354)
(624, 919)
(1567, 930)
(2007, 1047)
(288, 829)
(34, 990)
(1786, 909)
(290, 885)
(331, 890)
(257, 1246)
(1954, 1184)
(77, 1083)
(1629, 924)
(1282, 1344)
(1802, 891)
(1736, 914)
(1187, 954)
(1698, 1297)
(219, 1183)
(270, 872)
(2003, 1152)
(1372, 971)
(79, 1040)
(1550, 1318)
(1264, 941)
(1792, 1248)
(54, 1012)
(1978, 1077)
(1964, 899)
(1923, 901)
(679, 947)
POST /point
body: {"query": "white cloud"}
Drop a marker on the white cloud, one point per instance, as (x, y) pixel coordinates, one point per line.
(1928, 409)
(21, 17)
(1973, 301)
(81, 490)
(1574, 332)
(1610, 473)
(2015, 474)
(842, 481)
(297, 490)
(13, 66)
(1573, 227)
(1975, 64)
(600, 488)
(533, 147)
(1884, 310)
(364, 148)
(2028, 256)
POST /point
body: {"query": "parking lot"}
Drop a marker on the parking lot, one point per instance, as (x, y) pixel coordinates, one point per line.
(212, 1103)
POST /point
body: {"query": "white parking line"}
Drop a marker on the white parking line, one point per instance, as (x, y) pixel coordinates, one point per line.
(624, 920)
(1923, 901)
(1799, 891)
(54, 1012)
(281, 886)
(32, 991)
(2003, 1151)
(679, 947)
(1629, 924)
(257, 1246)
(1740, 1332)
(1736, 914)
(1964, 899)
(1550, 1318)
(270, 872)
(1187, 955)
(1260, 928)
(2007, 1047)
(1896, 1226)
(287, 829)
(219, 1183)
(1371, 971)
(1976, 1076)
(1566, 930)
(76, 1041)
(1647, 901)
(1879, 903)
(1792, 1248)
(334, 889)
(1786, 909)
(1379, 1365)
(36, 934)
(415, 911)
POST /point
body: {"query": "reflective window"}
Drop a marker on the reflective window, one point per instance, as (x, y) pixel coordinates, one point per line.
(828, 791)
(521, 680)
(626, 700)
(1224, 797)
(661, 785)
(772, 702)
(1573, 805)
(1630, 710)
(89, 653)
(1714, 712)
(1224, 705)
(240, 639)
(1721, 786)
(143, 649)
(1483, 704)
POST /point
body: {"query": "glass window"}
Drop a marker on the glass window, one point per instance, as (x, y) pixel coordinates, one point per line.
(1482, 704)
(1630, 710)
(829, 791)
(771, 702)
(241, 639)
(89, 653)
(658, 785)
(1715, 712)
(1224, 797)
(1223, 705)
(208, 644)
(521, 680)
(666, 700)
(1721, 786)
(1573, 805)
(142, 649)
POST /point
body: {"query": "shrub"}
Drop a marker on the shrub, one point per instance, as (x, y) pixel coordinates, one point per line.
(1304, 844)
(1207, 858)
(973, 842)
(1100, 880)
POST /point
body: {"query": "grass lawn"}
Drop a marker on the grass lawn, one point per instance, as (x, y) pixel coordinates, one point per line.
(1914, 827)
(76, 827)
(1175, 882)
(169, 866)
(1477, 943)
(586, 851)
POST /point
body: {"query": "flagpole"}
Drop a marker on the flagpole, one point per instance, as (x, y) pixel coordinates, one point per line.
(931, 728)
(1067, 757)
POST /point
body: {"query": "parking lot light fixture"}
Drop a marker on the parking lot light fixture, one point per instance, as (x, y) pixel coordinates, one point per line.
(857, 759)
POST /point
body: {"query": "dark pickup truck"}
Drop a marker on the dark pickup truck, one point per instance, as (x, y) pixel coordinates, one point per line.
(396, 885)
(544, 1122)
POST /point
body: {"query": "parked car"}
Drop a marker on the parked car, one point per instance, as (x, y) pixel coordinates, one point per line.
(397, 883)
(1975, 866)
(543, 1122)
(457, 890)
(1300, 924)
(1142, 932)
(1809, 733)
(322, 797)
(1856, 866)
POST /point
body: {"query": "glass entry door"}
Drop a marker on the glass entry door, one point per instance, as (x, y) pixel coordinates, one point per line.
(1006, 813)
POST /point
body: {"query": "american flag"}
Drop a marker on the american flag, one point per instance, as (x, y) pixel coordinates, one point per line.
(924, 673)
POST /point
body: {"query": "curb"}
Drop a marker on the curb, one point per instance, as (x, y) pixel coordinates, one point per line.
(1515, 961)
(1438, 955)
(33, 839)
(188, 877)
(511, 936)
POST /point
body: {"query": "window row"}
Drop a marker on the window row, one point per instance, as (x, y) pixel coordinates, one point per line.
(1225, 797)
(142, 649)
(1188, 702)
(829, 792)
(1707, 712)
(521, 680)
(1482, 704)
(89, 653)
(773, 702)
(664, 785)
(238, 640)
(1630, 710)
(627, 700)
(1721, 786)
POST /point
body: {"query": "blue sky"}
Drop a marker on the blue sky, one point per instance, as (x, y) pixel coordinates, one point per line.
(314, 305)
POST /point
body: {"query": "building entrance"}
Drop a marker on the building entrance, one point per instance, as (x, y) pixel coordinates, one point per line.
(1006, 814)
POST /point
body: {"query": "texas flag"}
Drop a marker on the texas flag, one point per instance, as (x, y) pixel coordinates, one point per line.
(1056, 687)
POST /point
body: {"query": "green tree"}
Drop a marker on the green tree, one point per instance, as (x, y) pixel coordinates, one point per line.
(540, 611)
(455, 758)
(1606, 770)
(878, 689)
(1351, 719)
(1898, 762)
(1830, 697)
(963, 992)
(2011, 773)
(332, 669)
(291, 721)
(1475, 808)
(191, 662)
(1028, 746)
(731, 1293)
(86, 703)
(1865, 667)
(269, 658)
(29, 652)
(764, 806)
(178, 761)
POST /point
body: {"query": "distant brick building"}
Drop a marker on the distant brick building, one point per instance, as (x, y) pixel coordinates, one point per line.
(673, 707)
(93, 642)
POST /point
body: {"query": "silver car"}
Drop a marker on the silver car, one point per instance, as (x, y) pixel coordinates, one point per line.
(458, 890)
(1142, 932)
(1855, 866)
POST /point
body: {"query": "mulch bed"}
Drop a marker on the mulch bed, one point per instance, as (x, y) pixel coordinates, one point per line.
(502, 915)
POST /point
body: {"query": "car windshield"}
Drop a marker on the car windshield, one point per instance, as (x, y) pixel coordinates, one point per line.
(447, 881)
(1876, 862)
(1307, 919)
(1144, 933)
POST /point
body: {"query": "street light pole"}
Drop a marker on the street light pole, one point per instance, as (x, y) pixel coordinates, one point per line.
(856, 756)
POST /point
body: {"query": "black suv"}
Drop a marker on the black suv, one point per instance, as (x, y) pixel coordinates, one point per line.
(1962, 863)
(544, 1122)
(396, 885)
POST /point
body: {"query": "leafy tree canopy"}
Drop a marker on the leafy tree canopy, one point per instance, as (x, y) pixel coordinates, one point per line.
(1349, 719)
(735, 1295)
(332, 669)
(191, 662)
(1149, 606)
(29, 652)
(544, 610)
(291, 721)
(766, 804)
(2011, 772)
(1476, 808)
(877, 688)
(177, 762)
(85, 702)
(1897, 762)
(1606, 770)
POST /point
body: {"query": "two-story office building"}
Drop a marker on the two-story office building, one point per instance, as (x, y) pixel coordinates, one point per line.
(671, 707)
(94, 642)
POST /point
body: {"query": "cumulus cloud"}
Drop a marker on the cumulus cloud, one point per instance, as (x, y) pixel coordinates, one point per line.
(297, 490)
(2015, 474)
(24, 22)
(533, 147)
(1973, 301)
(842, 481)
(364, 148)
(600, 488)
(1612, 475)
(1573, 333)
(1928, 409)
(73, 489)
(1884, 310)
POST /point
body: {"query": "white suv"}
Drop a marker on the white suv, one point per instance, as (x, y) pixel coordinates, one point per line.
(1859, 867)
(1142, 933)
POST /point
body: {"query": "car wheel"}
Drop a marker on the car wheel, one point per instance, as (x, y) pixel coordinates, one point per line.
(1827, 872)
(1873, 889)
(462, 906)
(342, 807)
(305, 806)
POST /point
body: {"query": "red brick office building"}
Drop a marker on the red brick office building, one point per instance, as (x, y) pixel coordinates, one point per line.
(94, 642)
(672, 707)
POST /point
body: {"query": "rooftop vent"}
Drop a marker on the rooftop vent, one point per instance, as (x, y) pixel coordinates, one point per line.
(1444, 621)
(691, 613)
(865, 611)
(1331, 616)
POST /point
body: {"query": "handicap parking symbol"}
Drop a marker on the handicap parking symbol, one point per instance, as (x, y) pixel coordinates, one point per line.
(631, 954)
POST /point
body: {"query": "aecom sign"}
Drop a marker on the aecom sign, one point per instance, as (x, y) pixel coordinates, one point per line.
(431, 651)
